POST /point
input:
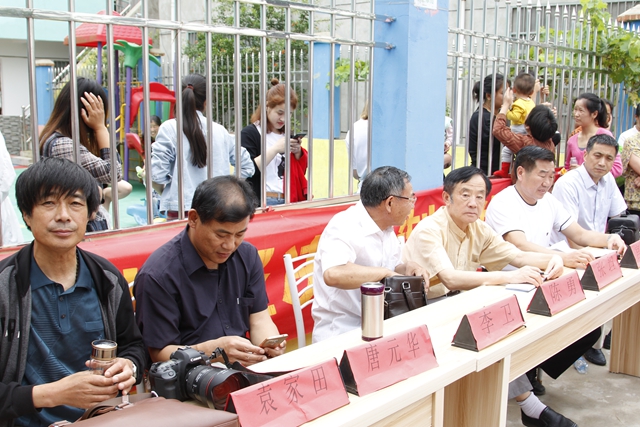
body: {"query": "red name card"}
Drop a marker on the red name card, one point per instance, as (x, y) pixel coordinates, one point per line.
(555, 295)
(378, 364)
(601, 272)
(292, 399)
(490, 324)
(631, 258)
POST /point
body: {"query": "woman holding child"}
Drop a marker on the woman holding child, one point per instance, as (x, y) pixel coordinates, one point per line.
(491, 98)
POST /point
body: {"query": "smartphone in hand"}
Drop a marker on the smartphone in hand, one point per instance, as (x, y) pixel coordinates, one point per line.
(274, 342)
(298, 136)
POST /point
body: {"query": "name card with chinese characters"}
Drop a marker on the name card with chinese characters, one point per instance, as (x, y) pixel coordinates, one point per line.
(601, 272)
(555, 295)
(631, 258)
(490, 324)
(378, 364)
(292, 399)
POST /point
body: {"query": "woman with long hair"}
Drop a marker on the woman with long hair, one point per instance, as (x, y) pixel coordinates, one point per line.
(95, 152)
(489, 95)
(277, 137)
(164, 152)
(590, 114)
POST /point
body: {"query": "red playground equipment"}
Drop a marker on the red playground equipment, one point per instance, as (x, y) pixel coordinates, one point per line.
(157, 92)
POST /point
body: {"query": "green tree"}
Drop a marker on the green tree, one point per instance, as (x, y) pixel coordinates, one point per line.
(617, 51)
(619, 48)
(223, 46)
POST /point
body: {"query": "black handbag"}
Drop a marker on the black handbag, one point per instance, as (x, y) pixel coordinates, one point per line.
(626, 226)
(403, 294)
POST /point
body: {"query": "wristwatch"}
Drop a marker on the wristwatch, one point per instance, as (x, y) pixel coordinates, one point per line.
(134, 368)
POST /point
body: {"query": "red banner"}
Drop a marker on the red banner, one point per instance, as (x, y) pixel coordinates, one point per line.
(274, 233)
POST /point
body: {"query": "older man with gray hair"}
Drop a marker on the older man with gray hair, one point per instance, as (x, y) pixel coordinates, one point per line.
(360, 245)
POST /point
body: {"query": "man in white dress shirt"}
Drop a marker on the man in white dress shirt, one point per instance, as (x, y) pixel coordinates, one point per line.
(591, 196)
(360, 245)
(526, 214)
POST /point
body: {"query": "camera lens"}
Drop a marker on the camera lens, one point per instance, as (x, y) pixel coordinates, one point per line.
(212, 385)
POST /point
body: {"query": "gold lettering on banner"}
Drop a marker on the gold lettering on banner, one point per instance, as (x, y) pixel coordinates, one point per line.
(265, 257)
(272, 309)
(129, 274)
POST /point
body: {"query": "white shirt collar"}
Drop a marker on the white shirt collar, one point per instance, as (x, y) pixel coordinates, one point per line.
(369, 226)
(586, 178)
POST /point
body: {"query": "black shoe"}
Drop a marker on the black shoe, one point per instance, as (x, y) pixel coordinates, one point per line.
(607, 341)
(548, 418)
(596, 357)
(538, 388)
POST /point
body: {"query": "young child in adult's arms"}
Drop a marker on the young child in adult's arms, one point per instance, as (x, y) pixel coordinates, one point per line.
(525, 87)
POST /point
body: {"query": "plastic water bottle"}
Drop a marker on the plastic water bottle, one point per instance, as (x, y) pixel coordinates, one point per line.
(573, 162)
(581, 365)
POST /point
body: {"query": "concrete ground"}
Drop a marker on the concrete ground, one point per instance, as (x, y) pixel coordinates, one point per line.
(596, 399)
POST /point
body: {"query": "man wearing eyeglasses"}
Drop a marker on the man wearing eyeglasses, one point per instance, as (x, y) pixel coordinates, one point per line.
(360, 245)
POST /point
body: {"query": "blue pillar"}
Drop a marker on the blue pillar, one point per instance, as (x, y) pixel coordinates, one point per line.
(409, 90)
(321, 68)
(44, 89)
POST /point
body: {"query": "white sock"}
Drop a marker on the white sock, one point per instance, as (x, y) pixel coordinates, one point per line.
(532, 406)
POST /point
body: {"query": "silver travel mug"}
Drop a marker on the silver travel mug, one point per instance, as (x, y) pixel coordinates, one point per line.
(103, 355)
(372, 310)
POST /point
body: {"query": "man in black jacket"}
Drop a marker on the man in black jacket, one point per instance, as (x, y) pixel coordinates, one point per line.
(55, 299)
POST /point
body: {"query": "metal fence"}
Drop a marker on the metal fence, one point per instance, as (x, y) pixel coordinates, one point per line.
(222, 108)
(556, 43)
(222, 81)
(286, 65)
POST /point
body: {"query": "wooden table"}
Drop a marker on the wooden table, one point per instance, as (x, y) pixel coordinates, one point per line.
(469, 389)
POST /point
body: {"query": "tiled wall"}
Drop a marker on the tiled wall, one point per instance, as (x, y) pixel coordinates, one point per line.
(11, 128)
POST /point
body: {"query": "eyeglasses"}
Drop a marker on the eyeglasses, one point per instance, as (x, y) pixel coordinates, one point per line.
(412, 199)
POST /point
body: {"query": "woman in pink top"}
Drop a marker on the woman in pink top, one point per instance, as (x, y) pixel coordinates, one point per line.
(590, 114)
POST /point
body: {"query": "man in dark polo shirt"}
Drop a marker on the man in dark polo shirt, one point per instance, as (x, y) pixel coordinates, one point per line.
(55, 299)
(205, 288)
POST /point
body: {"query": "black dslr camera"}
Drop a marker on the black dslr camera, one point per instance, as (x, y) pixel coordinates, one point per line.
(188, 375)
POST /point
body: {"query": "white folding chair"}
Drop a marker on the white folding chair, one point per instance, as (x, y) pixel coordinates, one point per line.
(306, 266)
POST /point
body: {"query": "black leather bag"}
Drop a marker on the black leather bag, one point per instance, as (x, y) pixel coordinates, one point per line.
(403, 294)
(626, 226)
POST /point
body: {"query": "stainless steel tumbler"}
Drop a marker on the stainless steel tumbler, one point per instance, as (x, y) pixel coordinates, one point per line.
(372, 310)
(103, 355)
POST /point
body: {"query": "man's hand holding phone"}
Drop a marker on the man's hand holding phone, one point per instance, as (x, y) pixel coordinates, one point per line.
(275, 346)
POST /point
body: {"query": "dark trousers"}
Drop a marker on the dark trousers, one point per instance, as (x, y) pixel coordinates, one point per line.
(560, 362)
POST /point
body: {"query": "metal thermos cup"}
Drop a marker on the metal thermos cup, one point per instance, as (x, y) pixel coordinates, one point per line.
(372, 310)
(103, 355)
